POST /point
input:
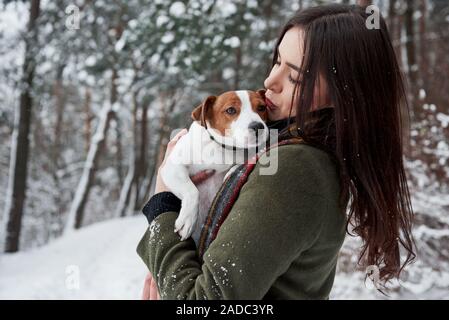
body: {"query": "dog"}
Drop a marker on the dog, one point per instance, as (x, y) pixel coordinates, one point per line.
(223, 126)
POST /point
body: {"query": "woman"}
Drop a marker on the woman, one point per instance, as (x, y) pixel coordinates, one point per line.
(337, 85)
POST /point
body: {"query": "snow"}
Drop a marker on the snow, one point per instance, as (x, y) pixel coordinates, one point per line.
(422, 94)
(226, 8)
(228, 73)
(168, 37)
(103, 255)
(13, 19)
(161, 20)
(120, 43)
(252, 4)
(444, 119)
(91, 61)
(177, 9)
(133, 23)
(233, 42)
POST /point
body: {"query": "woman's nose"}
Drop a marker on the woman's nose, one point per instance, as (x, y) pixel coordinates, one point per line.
(271, 83)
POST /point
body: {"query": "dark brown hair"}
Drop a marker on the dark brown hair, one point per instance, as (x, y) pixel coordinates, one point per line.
(366, 89)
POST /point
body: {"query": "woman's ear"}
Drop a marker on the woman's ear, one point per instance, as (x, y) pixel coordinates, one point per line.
(201, 112)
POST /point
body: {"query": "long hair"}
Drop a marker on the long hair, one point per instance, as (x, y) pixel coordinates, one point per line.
(367, 92)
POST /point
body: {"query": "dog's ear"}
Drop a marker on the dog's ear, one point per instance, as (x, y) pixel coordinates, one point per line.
(200, 112)
(196, 113)
(261, 92)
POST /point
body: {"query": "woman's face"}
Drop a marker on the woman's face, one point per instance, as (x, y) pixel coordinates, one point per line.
(281, 82)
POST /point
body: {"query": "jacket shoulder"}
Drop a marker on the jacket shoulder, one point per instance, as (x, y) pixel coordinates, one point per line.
(301, 161)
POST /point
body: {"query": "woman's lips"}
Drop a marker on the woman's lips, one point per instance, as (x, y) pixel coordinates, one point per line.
(270, 104)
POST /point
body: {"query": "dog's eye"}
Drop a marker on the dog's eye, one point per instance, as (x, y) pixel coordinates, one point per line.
(230, 110)
(261, 108)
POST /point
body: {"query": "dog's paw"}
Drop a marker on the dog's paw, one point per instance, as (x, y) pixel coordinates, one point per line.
(184, 225)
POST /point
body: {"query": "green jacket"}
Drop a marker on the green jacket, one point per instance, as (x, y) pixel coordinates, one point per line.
(280, 241)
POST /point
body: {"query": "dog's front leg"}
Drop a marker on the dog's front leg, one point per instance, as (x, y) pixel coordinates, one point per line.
(177, 179)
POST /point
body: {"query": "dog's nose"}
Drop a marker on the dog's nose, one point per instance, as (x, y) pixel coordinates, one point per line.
(255, 125)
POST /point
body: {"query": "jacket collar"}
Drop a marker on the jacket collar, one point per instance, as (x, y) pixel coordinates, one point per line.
(319, 129)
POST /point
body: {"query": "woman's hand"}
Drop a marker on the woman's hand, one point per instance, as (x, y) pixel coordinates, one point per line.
(196, 179)
(150, 291)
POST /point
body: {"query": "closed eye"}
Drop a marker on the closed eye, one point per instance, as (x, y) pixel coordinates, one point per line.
(290, 78)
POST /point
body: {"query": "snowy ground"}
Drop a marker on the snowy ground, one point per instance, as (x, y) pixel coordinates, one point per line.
(103, 253)
(109, 267)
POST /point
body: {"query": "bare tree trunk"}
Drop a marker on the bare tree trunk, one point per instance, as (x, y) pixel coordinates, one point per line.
(76, 214)
(267, 10)
(16, 194)
(59, 104)
(118, 146)
(411, 51)
(392, 19)
(397, 38)
(56, 217)
(423, 46)
(158, 157)
(238, 64)
(364, 3)
(394, 28)
(59, 96)
(142, 160)
(87, 119)
(164, 136)
(129, 183)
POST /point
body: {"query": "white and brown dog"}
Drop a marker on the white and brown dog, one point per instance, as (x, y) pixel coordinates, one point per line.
(222, 129)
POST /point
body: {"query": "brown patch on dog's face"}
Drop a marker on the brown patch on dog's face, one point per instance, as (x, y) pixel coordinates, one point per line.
(258, 104)
(218, 111)
(227, 109)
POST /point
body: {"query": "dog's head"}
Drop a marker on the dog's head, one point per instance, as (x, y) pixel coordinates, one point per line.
(235, 117)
